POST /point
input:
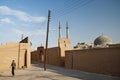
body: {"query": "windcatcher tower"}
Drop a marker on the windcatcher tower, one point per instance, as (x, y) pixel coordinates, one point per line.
(64, 43)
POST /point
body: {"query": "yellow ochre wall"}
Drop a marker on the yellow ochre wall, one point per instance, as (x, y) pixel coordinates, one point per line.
(20, 52)
(101, 60)
(53, 55)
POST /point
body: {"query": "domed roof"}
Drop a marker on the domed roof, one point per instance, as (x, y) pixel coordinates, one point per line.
(102, 40)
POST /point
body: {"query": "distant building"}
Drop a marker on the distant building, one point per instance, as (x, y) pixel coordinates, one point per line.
(64, 43)
(101, 57)
(100, 42)
(55, 55)
(83, 46)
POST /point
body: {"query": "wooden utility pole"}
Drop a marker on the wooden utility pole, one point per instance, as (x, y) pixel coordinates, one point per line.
(45, 54)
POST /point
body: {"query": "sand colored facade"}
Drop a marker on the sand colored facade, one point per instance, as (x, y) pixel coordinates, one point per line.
(55, 55)
(38, 55)
(63, 44)
(100, 60)
(95, 60)
(20, 52)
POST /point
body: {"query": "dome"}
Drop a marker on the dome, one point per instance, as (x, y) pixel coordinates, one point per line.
(102, 40)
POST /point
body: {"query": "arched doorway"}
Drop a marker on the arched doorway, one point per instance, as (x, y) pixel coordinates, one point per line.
(41, 56)
(25, 59)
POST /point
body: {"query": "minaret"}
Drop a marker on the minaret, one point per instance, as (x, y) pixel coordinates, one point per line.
(59, 30)
(67, 30)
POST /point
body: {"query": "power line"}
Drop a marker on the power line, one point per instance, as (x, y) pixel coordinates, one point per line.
(67, 5)
(76, 7)
(71, 6)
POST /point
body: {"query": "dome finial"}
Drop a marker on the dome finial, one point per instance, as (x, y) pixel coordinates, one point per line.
(102, 34)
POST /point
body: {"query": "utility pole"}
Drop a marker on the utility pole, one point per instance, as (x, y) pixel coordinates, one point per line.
(45, 54)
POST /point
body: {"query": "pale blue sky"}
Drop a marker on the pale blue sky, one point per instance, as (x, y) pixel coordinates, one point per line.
(87, 20)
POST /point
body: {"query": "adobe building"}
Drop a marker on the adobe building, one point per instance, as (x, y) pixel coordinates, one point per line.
(55, 55)
(102, 57)
(64, 43)
(20, 52)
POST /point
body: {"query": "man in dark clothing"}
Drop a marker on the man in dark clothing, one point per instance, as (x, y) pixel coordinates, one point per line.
(13, 65)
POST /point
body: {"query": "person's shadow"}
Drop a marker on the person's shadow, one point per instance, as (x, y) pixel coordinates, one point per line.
(5, 76)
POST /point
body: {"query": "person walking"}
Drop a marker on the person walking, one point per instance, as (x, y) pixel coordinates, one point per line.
(13, 65)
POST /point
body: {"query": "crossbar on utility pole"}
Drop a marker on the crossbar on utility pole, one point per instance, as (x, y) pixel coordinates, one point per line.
(45, 54)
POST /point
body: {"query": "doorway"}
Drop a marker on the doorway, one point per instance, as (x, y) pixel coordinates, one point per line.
(25, 59)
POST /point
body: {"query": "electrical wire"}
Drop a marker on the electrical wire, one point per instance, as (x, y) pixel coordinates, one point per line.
(69, 7)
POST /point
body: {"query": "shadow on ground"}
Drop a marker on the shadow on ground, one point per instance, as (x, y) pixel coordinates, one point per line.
(5, 76)
(77, 74)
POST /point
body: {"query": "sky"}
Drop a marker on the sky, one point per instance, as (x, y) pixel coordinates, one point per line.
(87, 19)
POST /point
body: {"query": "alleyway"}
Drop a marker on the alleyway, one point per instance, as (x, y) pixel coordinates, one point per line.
(36, 72)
